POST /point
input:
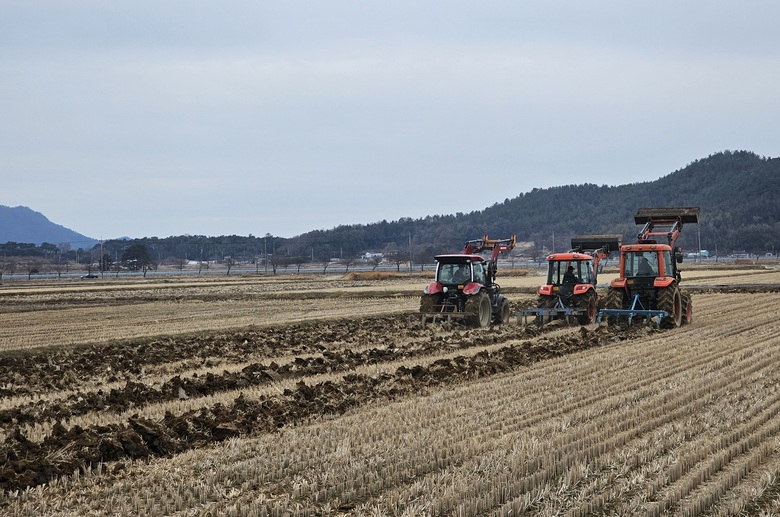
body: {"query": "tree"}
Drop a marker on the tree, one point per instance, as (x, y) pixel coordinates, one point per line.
(32, 265)
(394, 254)
(7, 265)
(229, 262)
(423, 254)
(299, 261)
(348, 261)
(137, 258)
(179, 263)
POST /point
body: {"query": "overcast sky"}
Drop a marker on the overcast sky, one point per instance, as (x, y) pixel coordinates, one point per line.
(159, 118)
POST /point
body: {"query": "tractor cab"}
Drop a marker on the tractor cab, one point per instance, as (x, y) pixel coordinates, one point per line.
(570, 291)
(566, 272)
(464, 286)
(570, 268)
(649, 261)
(459, 270)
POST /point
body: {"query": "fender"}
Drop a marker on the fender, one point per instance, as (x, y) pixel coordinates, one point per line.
(582, 288)
(546, 290)
(618, 283)
(472, 288)
(663, 281)
(433, 288)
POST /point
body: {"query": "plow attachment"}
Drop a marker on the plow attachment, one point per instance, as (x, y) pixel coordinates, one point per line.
(542, 316)
(636, 309)
(432, 317)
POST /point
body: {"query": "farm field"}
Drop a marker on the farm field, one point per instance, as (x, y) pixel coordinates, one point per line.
(321, 396)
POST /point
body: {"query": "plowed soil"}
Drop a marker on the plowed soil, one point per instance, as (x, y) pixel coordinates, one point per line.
(74, 405)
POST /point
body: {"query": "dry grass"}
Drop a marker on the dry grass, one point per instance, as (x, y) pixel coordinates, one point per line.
(680, 422)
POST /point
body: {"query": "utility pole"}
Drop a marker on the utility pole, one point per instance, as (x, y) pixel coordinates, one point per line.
(698, 233)
(410, 252)
(265, 252)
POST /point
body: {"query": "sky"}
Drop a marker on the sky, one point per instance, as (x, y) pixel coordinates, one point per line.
(161, 118)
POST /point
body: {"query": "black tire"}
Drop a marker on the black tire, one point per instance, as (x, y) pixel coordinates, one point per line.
(669, 300)
(478, 310)
(587, 303)
(428, 303)
(501, 317)
(687, 309)
(613, 300)
(547, 302)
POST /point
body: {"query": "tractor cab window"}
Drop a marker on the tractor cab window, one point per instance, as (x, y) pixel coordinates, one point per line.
(454, 273)
(638, 263)
(568, 272)
(668, 263)
(586, 272)
(479, 273)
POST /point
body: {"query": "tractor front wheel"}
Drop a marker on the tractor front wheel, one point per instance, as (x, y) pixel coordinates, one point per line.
(478, 310)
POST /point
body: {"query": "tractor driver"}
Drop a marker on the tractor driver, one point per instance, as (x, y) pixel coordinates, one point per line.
(569, 277)
(461, 275)
(645, 268)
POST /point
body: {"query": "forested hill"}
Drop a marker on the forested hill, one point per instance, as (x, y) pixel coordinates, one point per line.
(737, 192)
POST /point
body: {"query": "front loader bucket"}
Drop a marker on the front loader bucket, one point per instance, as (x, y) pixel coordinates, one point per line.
(686, 215)
(594, 242)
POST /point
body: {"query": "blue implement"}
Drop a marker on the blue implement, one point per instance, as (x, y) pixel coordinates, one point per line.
(634, 311)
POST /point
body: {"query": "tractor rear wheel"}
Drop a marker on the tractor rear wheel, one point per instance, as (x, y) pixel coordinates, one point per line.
(428, 303)
(586, 302)
(669, 300)
(478, 310)
(613, 300)
(547, 302)
(687, 309)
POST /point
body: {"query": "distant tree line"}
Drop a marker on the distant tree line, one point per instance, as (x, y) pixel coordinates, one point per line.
(736, 192)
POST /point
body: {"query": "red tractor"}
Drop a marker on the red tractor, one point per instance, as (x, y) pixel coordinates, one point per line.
(648, 287)
(570, 291)
(465, 286)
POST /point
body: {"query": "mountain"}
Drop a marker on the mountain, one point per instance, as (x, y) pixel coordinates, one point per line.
(736, 191)
(23, 225)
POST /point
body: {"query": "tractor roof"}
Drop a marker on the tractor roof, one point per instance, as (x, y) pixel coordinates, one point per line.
(646, 247)
(458, 258)
(569, 256)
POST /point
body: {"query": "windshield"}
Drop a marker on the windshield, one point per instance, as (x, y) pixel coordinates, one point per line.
(454, 273)
(639, 263)
(581, 272)
(479, 273)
